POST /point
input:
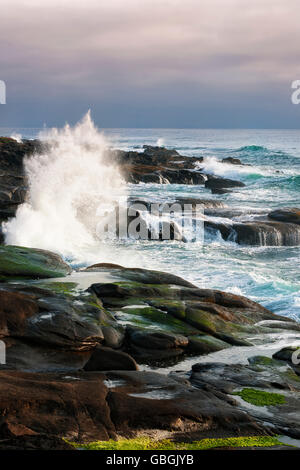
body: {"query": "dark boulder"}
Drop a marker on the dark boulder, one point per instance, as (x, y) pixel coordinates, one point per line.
(15, 309)
(103, 359)
(13, 183)
(63, 330)
(156, 339)
(216, 182)
(258, 233)
(91, 406)
(288, 214)
(267, 389)
(232, 161)
(220, 191)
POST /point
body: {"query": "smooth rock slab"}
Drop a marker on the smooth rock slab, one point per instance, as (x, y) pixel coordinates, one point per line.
(18, 262)
(288, 214)
(82, 407)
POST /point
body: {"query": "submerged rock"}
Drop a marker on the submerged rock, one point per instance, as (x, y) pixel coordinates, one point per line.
(103, 359)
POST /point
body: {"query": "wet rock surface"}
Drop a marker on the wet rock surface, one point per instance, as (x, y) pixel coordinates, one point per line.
(258, 233)
(288, 214)
(166, 318)
(13, 184)
(263, 380)
(16, 261)
(73, 358)
(216, 182)
(97, 406)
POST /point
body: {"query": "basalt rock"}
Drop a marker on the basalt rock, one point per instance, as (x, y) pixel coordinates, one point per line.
(288, 214)
(220, 191)
(15, 310)
(103, 359)
(259, 380)
(216, 182)
(53, 328)
(91, 406)
(178, 319)
(158, 165)
(18, 262)
(13, 184)
(258, 233)
(232, 161)
(146, 276)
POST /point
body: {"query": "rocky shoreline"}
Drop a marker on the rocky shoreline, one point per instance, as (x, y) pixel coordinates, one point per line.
(162, 166)
(106, 361)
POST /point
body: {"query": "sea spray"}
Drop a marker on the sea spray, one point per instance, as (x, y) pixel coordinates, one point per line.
(68, 184)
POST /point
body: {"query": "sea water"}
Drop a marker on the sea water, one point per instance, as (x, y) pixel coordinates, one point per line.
(269, 275)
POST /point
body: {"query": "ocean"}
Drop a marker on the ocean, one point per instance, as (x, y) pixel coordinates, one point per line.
(269, 275)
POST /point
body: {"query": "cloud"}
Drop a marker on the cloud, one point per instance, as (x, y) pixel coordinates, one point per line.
(128, 50)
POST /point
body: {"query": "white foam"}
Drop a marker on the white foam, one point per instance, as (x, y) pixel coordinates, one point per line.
(68, 183)
(213, 166)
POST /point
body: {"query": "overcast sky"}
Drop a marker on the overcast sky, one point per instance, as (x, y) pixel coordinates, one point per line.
(150, 63)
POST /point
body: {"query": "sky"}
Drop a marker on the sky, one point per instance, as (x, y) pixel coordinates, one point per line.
(150, 63)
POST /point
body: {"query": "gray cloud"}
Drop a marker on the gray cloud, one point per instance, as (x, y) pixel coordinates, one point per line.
(60, 57)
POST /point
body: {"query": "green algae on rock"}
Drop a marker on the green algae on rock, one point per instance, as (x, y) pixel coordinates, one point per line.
(145, 443)
(261, 398)
(19, 262)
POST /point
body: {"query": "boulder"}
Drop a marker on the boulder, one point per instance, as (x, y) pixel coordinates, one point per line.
(15, 309)
(53, 329)
(216, 182)
(287, 214)
(13, 183)
(258, 233)
(205, 344)
(91, 406)
(164, 318)
(63, 330)
(156, 340)
(232, 161)
(220, 191)
(146, 276)
(16, 261)
(103, 359)
(60, 405)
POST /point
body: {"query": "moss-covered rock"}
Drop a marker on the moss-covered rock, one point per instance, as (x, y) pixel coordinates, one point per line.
(150, 317)
(145, 443)
(205, 344)
(261, 398)
(19, 262)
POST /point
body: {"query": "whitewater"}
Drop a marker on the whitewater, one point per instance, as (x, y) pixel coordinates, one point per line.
(73, 182)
